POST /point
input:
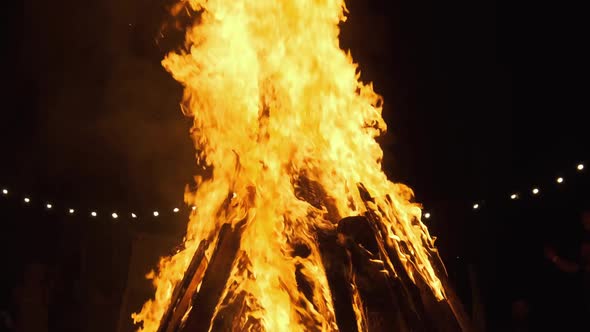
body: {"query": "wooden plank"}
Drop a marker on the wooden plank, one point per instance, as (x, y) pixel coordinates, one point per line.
(184, 291)
(386, 301)
(201, 314)
(337, 265)
(433, 315)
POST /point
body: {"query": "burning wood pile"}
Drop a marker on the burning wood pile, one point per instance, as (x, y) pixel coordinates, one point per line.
(354, 255)
(297, 228)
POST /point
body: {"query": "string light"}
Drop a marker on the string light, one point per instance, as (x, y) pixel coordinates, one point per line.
(427, 215)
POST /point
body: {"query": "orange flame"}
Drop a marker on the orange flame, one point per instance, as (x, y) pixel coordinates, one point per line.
(274, 97)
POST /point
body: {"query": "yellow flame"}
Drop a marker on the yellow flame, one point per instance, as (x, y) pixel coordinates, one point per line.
(274, 97)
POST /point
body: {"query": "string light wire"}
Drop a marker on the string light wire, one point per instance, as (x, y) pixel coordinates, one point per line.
(535, 191)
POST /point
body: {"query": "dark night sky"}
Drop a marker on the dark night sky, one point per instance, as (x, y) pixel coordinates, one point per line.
(89, 115)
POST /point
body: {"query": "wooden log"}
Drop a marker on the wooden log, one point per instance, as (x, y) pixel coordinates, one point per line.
(184, 291)
(432, 314)
(337, 265)
(386, 303)
(234, 308)
(201, 314)
(234, 317)
(313, 193)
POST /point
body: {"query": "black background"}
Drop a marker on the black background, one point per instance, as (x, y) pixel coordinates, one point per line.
(89, 117)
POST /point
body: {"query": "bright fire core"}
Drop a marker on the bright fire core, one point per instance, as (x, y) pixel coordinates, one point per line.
(274, 98)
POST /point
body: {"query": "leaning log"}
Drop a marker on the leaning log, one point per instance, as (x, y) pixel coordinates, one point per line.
(234, 308)
(201, 314)
(184, 291)
(388, 304)
(427, 312)
(338, 272)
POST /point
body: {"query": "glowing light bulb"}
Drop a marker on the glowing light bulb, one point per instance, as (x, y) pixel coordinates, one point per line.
(514, 196)
(580, 167)
(156, 213)
(535, 191)
(71, 211)
(48, 205)
(114, 215)
(133, 215)
(175, 210)
(27, 200)
(475, 206)
(427, 215)
(93, 213)
(4, 191)
(559, 180)
(194, 208)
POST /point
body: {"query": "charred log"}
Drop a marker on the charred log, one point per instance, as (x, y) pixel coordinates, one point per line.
(233, 312)
(427, 312)
(233, 316)
(337, 265)
(387, 302)
(201, 315)
(312, 192)
(183, 292)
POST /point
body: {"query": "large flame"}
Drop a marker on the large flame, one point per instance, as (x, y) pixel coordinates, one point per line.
(274, 98)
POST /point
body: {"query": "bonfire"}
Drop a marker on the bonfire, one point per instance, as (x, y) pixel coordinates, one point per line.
(297, 227)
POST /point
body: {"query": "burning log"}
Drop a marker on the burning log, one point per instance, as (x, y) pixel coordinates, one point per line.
(233, 316)
(427, 313)
(338, 271)
(184, 291)
(387, 301)
(205, 301)
(234, 309)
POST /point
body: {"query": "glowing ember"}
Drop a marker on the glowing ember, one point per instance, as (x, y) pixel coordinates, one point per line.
(275, 100)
